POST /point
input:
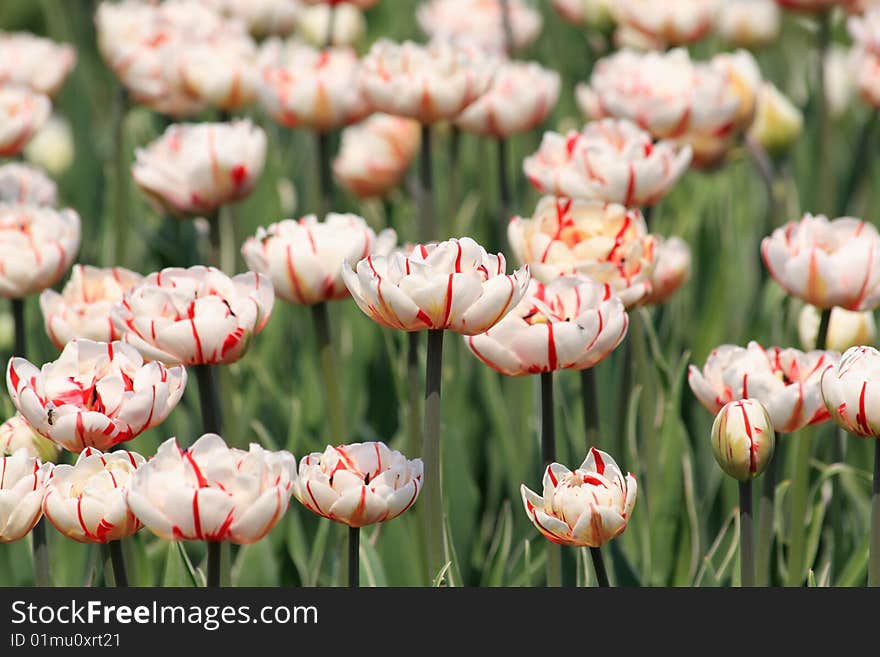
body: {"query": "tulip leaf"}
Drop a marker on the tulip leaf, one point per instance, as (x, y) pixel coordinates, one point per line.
(179, 570)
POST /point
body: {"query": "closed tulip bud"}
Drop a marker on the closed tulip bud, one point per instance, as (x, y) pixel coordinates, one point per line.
(86, 501)
(672, 270)
(584, 508)
(33, 61)
(52, 147)
(22, 488)
(195, 316)
(82, 310)
(16, 433)
(22, 113)
(480, 22)
(743, 439)
(97, 394)
(211, 492)
(598, 14)
(37, 245)
(850, 391)
(349, 24)
(778, 122)
(26, 185)
(675, 22)
(846, 328)
(358, 484)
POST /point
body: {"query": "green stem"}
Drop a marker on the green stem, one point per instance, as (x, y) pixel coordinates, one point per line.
(859, 163)
(214, 560)
(413, 375)
(503, 193)
(746, 535)
(120, 183)
(427, 227)
(822, 335)
(822, 143)
(325, 173)
(18, 319)
(215, 246)
(212, 421)
(354, 561)
(599, 567)
(433, 491)
(548, 456)
(766, 510)
(331, 21)
(329, 373)
(800, 483)
(507, 26)
(874, 552)
(590, 403)
(227, 240)
(117, 559)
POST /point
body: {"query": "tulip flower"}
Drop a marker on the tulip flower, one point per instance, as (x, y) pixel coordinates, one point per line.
(743, 442)
(375, 154)
(606, 242)
(865, 31)
(598, 14)
(16, 433)
(211, 492)
(826, 263)
(675, 22)
(610, 160)
(480, 22)
(195, 168)
(22, 488)
(360, 4)
(22, 112)
(673, 269)
(26, 185)
(82, 310)
(778, 122)
(33, 61)
(97, 394)
(264, 17)
(846, 328)
(343, 24)
(584, 508)
(749, 23)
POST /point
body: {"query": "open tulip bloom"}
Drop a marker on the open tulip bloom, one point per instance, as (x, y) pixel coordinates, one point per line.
(26, 185)
(96, 394)
(674, 22)
(22, 112)
(480, 22)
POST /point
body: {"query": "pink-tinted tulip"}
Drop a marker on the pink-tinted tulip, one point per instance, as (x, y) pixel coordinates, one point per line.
(584, 508)
(212, 492)
(452, 285)
(82, 310)
(850, 390)
(16, 433)
(37, 245)
(375, 154)
(749, 23)
(428, 83)
(304, 258)
(826, 263)
(22, 487)
(786, 381)
(865, 31)
(309, 87)
(522, 95)
(572, 323)
(197, 167)
(609, 160)
(195, 316)
(743, 439)
(86, 501)
(674, 22)
(358, 484)
(27, 185)
(22, 112)
(38, 63)
(97, 394)
(672, 269)
(606, 242)
(480, 22)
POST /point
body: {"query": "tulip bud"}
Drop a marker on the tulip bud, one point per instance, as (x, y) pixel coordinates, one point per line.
(778, 123)
(16, 434)
(743, 439)
(52, 147)
(846, 328)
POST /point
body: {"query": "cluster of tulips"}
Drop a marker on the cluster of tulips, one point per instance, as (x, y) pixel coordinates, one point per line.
(586, 258)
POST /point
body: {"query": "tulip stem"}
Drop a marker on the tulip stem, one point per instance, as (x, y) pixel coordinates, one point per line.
(214, 559)
(120, 182)
(325, 174)
(822, 335)
(209, 399)
(117, 560)
(874, 553)
(414, 416)
(746, 535)
(332, 395)
(215, 247)
(599, 567)
(821, 147)
(331, 25)
(435, 540)
(590, 403)
(859, 166)
(354, 560)
(503, 192)
(507, 26)
(427, 229)
(548, 456)
(20, 327)
(800, 482)
(764, 546)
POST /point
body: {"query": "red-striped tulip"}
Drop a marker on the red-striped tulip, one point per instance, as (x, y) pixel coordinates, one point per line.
(195, 316)
(610, 160)
(33, 61)
(606, 242)
(375, 154)
(672, 269)
(304, 258)
(584, 508)
(309, 87)
(22, 112)
(826, 263)
(850, 390)
(37, 245)
(785, 381)
(212, 492)
(86, 501)
(195, 168)
(572, 323)
(97, 394)
(22, 487)
(26, 185)
(846, 328)
(82, 310)
(480, 22)
(16, 433)
(358, 484)
(743, 439)
(675, 22)
(522, 95)
(749, 23)
(429, 83)
(452, 285)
